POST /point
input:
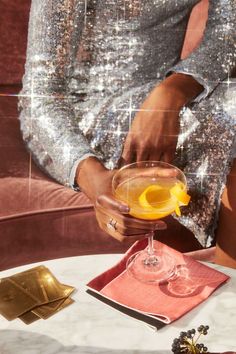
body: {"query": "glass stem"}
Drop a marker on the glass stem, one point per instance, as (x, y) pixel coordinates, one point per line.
(150, 243)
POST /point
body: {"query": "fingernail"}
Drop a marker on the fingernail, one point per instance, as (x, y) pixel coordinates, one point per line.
(124, 208)
(160, 226)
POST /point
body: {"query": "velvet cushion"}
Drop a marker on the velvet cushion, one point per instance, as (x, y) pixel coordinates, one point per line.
(39, 219)
(14, 16)
(28, 190)
(55, 234)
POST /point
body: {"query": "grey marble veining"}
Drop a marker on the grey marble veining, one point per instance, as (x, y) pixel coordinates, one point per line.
(91, 327)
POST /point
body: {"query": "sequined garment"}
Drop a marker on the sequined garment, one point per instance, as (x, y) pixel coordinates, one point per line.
(90, 64)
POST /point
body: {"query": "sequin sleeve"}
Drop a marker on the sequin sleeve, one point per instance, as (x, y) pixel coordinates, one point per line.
(213, 61)
(47, 115)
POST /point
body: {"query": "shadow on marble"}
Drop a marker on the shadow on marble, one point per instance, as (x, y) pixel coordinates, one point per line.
(23, 342)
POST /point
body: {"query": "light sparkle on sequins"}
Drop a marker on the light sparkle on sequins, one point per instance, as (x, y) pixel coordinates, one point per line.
(86, 57)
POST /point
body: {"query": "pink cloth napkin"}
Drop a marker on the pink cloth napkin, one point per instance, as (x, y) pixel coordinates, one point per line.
(204, 255)
(166, 302)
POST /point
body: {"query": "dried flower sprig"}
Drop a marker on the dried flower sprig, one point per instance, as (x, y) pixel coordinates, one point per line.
(187, 342)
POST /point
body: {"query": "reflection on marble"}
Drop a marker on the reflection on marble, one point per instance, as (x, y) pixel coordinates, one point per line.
(91, 327)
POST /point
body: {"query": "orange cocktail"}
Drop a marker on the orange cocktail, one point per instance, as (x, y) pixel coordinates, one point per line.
(152, 198)
(153, 190)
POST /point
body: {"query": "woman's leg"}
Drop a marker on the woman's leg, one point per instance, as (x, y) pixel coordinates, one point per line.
(226, 231)
(177, 236)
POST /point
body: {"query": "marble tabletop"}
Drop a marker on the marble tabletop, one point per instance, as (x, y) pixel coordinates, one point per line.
(89, 326)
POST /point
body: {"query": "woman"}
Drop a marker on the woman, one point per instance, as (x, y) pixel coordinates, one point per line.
(104, 86)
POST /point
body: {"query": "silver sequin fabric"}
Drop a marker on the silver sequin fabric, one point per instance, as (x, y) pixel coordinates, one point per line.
(90, 64)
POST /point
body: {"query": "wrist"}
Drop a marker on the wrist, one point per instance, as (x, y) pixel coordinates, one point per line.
(85, 169)
(182, 87)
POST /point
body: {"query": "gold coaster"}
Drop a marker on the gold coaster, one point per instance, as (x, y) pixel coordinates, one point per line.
(54, 290)
(33, 294)
(30, 282)
(14, 300)
(46, 311)
(29, 317)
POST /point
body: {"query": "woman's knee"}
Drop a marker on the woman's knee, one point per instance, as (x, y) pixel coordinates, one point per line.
(226, 231)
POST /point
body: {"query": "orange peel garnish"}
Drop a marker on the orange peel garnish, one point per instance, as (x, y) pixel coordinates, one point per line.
(170, 199)
(153, 194)
(178, 191)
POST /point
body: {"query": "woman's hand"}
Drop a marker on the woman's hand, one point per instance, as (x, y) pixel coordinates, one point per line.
(153, 136)
(155, 128)
(112, 215)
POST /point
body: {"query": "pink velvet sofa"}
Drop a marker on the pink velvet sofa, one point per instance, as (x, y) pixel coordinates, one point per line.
(40, 219)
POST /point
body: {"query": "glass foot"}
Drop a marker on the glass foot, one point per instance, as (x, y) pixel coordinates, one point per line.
(155, 268)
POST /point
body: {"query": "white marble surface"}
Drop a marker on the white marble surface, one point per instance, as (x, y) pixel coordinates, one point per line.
(89, 326)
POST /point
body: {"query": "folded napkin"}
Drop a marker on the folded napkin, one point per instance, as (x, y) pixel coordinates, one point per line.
(167, 302)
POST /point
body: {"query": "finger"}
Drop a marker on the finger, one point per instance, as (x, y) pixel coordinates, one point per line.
(141, 154)
(168, 156)
(113, 233)
(129, 222)
(122, 231)
(112, 224)
(158, 172)
(107, 201)
(155, 156)
(123, 161)
(128, 154)
(129, 239)
(149, 171)
(117, 232)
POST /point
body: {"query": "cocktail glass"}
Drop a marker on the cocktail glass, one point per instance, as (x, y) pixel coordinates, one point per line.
(153, 190)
